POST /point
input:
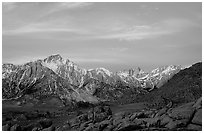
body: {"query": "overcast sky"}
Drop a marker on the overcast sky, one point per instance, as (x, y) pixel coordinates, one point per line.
(111, 35)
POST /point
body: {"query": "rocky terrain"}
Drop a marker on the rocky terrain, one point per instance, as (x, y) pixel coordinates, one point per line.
(101, 118)
(55, 94)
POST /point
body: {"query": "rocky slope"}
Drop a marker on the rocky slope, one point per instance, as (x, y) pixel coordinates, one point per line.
(101, 118)
(63, 78)
(185, 117)
(36, 80)
(184, 87)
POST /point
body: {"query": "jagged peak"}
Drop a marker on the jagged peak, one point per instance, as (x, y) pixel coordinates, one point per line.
(55, 57)
(104, 70)
(132, 71)
(7, 65)
(166, 69)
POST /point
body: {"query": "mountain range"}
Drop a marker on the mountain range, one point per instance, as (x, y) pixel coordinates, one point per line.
(55, 76)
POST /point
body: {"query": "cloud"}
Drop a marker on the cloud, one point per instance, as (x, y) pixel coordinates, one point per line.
(44, 27)
(94, 60)
(136, 33)
(119, 49)
(177, 24)
(139, 32)
(65, 26)
(60, 6)
(73, 5)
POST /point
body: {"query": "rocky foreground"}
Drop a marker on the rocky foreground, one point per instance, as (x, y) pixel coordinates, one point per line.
(101, 118)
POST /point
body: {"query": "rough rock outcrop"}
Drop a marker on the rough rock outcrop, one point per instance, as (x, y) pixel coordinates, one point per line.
(185, 117)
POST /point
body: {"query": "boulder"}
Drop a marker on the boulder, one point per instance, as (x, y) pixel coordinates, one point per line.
(99, 113)
(103, 125)
(120, 124)
(31, 126)
(92, 127)
(198, 103)
(65, 127)
(36, 129)
(45, 123)
(161, 112)
(129, 126)
(173, 124)
(51, 128)
(120, 115)
(99, 109)
(164, 119)
(82, 118)
(73, 121)
(15, 127)
(107, 109)
(110, 117)
(194, 127)
(117, 121)
(6, 127)
(133, 116)
(152, 122)
(140, 122)
(148, 113)
(109, 128)
(141, 115)
(75, 126)
(100, 117)
(197, 118)
(84, 125)
(182, 112)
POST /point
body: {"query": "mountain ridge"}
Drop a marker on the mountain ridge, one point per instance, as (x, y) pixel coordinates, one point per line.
(78, 83)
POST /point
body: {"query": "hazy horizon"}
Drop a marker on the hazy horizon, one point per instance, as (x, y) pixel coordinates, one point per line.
(115, 36)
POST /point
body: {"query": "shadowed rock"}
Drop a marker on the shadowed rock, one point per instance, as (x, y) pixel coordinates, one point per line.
(197, 119)
(15, 127)
(194, 127)
(6, 127)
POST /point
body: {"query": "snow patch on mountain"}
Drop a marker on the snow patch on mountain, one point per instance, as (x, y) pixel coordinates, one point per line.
(169, 69)
(103, 70)
(53, 66)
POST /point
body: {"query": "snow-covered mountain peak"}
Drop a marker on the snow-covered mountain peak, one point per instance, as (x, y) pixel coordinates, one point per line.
(170, 68)
(138, 72)
(103, 70)
(54, 58)
(165, 69)
(77, 76)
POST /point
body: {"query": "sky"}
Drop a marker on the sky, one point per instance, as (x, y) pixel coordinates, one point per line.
(115, 36)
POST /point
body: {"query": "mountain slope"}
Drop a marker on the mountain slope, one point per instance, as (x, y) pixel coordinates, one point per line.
(64, 79)
(183, 87)
(37, 81)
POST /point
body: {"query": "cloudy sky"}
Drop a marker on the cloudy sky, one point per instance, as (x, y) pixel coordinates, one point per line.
(111, 35)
